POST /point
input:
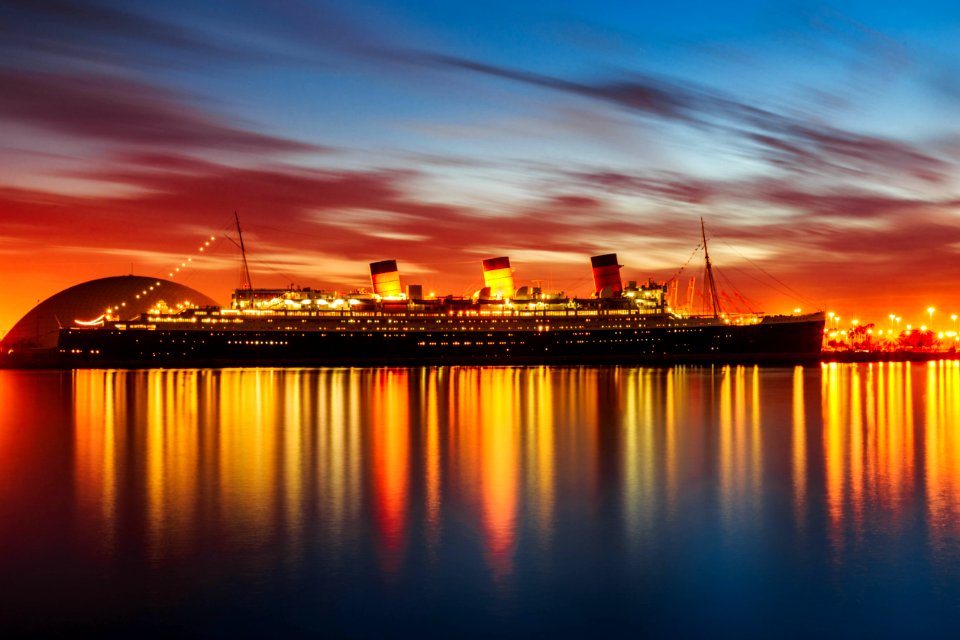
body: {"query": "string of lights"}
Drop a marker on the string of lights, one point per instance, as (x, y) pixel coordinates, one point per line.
(172, 273)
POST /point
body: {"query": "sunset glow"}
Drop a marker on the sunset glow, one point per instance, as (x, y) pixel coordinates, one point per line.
(818, 143)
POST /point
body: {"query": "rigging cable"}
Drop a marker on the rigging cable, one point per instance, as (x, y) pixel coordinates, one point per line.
(790, 291)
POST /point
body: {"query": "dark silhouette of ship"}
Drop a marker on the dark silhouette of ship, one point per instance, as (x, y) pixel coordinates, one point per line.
(500, 324)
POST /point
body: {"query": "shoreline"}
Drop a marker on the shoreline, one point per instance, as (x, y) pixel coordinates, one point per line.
(43, 359)
(887, 356)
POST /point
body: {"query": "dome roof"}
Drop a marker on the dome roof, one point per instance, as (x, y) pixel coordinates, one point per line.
(87, 301)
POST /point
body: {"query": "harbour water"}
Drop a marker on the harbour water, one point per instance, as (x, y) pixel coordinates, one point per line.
(452, 502)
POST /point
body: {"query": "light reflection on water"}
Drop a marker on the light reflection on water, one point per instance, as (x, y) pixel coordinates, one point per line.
(670, 500)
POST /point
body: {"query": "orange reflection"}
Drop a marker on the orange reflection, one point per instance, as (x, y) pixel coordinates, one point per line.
(390, 447)
(431, 402)
(251, 455)
(642, 420)
(942, 453)
(674, 389)
(289, 457)
(172, 460)
(799, 448)
(198, 451)
(756, 439)
(96, 423)
(248, 454)
(499, 462)
(856, 447)
(504, 429)
(336, 473)
(868, 443)
(726, 446)
(294, 429)
(255, 457)
(833, 428)
(740, 434)
(895, 455)
(540, 419)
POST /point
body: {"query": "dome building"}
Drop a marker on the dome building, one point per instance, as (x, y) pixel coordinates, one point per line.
(125, 296)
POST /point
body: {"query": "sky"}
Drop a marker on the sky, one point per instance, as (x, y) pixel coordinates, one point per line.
(818, 142)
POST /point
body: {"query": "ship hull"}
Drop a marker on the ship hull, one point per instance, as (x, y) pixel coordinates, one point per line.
(703, 341)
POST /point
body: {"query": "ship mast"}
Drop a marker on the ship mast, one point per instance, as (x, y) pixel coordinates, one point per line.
(243, 253)
(713, 286)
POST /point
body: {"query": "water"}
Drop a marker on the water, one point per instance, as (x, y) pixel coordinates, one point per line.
(451, 502)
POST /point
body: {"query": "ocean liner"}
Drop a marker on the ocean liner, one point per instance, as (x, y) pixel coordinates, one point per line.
(500, 324)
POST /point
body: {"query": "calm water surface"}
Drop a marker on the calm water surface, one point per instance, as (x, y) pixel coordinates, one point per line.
(450, 502)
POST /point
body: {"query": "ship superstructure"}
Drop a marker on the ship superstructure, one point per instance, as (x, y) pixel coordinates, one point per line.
(499, 324)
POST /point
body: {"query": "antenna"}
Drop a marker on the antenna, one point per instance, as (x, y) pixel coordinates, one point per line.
(713, 285)
(243, 253)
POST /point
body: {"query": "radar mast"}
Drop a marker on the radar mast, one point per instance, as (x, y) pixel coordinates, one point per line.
(243, 253)
(715, 301)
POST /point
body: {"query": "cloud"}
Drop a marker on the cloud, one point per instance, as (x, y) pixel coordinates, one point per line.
(644, 95)
(804, 148)
(96, 32)
(111, 109)
(361, 215)
(847, 207)
(324, 226)
(365, 212)
(673, 188)
(784, 141)
(843, 205)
